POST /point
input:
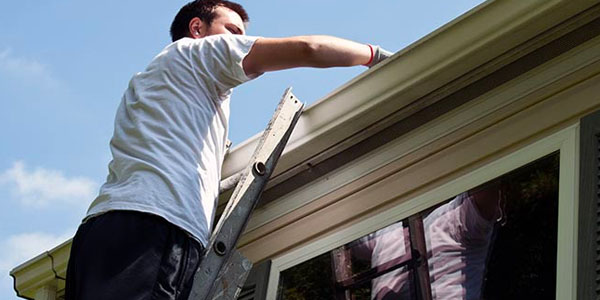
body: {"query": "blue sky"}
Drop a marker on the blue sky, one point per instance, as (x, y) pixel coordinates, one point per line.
(64, 65)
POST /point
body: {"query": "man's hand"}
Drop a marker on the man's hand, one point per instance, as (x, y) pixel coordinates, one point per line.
(379, 55)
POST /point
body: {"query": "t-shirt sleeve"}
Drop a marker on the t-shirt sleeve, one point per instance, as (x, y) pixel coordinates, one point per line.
(219, 58)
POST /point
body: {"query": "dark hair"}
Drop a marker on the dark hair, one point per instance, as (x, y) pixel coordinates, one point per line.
(203, 9)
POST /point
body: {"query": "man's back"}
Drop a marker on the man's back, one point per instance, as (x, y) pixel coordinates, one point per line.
(170, 133)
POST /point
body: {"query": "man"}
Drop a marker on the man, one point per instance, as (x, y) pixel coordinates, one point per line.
(145, 233)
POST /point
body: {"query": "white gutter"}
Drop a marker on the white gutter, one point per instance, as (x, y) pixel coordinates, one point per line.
(480, 35)
(46, 269)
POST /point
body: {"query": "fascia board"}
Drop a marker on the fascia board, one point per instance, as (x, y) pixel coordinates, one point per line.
(462, 45)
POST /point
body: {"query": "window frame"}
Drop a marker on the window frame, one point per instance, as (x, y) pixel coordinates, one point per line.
(565, 141)
(589, 197)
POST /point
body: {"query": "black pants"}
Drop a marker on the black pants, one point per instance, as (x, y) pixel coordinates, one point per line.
(131, 255)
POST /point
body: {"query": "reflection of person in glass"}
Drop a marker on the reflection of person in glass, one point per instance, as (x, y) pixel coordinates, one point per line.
(458, 236)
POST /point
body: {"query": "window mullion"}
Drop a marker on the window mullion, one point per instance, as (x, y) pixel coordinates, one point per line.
(422, 283)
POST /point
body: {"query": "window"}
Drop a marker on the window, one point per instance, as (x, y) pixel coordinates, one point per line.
(495, 241)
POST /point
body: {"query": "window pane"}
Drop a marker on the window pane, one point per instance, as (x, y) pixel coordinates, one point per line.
(309, 280)
(522, 263)
(496, 241)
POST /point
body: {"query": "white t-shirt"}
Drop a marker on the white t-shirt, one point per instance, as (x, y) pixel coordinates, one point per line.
(457, 239)
(170, 133)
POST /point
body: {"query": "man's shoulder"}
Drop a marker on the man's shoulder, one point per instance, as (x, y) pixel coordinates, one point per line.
(217, 38)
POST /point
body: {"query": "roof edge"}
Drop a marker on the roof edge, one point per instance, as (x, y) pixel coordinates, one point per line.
(426, 65)
(41, 270)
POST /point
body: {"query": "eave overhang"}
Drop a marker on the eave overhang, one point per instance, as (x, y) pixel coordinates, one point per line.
(467, 49)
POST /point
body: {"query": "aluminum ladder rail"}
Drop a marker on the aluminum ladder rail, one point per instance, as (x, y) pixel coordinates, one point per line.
(223, 270)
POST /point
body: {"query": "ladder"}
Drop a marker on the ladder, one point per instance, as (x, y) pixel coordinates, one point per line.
(223, 270)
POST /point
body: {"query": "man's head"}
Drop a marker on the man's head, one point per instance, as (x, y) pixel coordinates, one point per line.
(202, 18)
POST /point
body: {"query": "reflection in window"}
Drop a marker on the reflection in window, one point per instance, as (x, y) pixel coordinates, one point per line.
(496, 241)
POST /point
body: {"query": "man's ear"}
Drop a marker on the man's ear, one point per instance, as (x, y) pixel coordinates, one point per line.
(197, 28)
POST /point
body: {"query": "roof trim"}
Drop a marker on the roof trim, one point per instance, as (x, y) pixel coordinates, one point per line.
(543, 48)
(430, 63)
(41, 270)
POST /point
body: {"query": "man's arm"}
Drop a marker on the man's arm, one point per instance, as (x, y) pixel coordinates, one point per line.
(272, 54)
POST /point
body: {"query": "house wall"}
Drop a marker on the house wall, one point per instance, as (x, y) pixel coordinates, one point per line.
(469, 145)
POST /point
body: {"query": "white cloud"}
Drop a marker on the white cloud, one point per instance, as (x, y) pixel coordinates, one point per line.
(17, 249)
(27, 70)
(42, 187)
